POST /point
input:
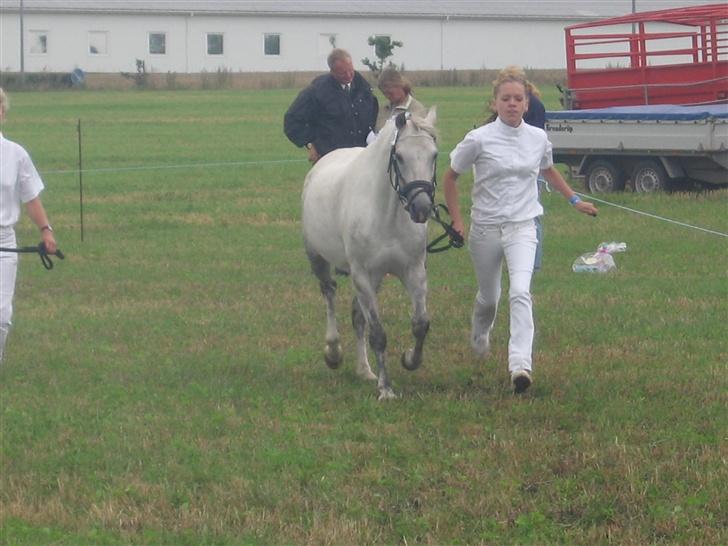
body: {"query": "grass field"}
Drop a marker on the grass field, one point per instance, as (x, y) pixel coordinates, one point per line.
(165, 385)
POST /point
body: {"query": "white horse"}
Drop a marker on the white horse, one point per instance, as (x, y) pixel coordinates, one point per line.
(364, 213)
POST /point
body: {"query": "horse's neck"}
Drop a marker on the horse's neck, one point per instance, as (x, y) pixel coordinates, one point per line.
(377, 157)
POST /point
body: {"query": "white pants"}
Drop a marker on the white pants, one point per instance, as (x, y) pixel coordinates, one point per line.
(488, 246)
(8, 271)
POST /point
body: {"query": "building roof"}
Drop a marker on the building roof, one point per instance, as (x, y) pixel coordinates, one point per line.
(485, 9)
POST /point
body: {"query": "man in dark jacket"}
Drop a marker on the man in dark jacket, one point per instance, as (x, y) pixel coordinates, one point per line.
(337, 110)
(536, 116)
(536, 113)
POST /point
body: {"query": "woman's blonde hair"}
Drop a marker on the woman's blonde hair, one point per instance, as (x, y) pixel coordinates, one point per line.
(391, 77)
(4, 103)
(511, 73)
(514, 73)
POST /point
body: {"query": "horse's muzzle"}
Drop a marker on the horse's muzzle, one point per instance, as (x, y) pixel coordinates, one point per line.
(418, 197)
(420, 214)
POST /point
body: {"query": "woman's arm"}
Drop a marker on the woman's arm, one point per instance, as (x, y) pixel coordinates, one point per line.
(38, 214)
(557, 181)
(451, 199)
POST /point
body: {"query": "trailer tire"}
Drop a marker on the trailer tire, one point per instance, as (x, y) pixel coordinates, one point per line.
(603, 176)
(649, 176)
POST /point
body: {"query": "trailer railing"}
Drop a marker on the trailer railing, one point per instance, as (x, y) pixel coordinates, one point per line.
(677, 56)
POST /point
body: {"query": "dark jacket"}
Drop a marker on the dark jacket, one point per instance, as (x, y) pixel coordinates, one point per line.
(536, 114)
(324, 114)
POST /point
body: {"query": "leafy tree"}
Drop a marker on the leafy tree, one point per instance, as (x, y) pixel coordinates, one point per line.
(383, 47)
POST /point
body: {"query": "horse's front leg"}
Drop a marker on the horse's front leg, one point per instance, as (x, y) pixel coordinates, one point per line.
(366, 294)
(416, 283)
(358, 321)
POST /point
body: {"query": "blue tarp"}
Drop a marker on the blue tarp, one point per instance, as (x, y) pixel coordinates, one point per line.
(666, 112)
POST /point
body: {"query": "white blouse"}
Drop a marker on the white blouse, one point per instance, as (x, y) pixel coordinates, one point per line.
(19, 181)
(507, 163)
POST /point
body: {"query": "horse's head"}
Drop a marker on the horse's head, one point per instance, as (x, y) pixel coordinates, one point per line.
(413, 163)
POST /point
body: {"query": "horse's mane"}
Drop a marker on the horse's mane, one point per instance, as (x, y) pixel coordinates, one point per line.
(384, 139)
(423, 125)
(419, 122)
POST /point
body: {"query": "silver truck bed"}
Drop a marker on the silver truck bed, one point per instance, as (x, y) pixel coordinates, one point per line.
(677, 130)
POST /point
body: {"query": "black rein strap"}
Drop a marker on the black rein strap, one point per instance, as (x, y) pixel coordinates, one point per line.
(421, 186)
(456, 240)
(45, 256)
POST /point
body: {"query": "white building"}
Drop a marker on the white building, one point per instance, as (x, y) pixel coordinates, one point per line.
(271, 36)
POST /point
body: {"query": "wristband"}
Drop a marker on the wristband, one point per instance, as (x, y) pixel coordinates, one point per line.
(46, 227)
(574, 199)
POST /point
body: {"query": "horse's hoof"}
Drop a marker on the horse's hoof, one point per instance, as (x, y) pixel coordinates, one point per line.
(408, 363)
(387, 394)
(333, 356)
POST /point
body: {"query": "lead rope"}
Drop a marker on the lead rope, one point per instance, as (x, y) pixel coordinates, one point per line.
(455, 239)
(45, 256)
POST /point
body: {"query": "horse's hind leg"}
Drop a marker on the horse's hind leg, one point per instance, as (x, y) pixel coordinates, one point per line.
(359, 323)
(416, 283)
(321, 268)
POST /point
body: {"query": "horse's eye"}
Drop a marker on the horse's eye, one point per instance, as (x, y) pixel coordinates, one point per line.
(398, 156)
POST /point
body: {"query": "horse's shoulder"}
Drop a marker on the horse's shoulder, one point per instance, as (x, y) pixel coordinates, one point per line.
(334, 162)
(343, 156)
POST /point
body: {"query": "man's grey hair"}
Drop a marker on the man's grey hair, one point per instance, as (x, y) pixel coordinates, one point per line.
(337, 54)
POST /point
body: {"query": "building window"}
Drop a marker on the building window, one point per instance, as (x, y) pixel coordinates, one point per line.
(98, 42)
(214, 43)
(38, 42)
(272, 44)
(157, 43)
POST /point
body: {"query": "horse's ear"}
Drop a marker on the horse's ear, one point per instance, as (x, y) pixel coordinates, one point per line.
(431, 116)
(401, 120)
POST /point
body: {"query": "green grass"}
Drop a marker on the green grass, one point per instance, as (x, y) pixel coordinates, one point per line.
(165, 383)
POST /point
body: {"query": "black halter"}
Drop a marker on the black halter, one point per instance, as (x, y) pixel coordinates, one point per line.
(395, 175)
(455, 240)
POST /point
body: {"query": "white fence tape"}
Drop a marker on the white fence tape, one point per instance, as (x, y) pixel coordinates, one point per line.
(285, 161)
(661, 218)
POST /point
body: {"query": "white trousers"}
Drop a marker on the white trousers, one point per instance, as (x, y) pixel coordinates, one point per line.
(516, 242)
(8, 271)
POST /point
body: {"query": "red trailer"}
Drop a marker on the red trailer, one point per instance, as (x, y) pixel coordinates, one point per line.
(673, 56)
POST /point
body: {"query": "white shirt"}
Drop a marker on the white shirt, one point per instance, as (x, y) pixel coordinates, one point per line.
(507, 161)
(19, 181)
(396, 110)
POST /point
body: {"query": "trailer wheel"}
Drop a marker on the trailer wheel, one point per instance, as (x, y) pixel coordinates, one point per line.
(649, 176)
(603, 176)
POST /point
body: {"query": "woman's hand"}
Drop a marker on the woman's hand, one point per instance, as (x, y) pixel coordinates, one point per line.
(586, 207)
(49, 241)
(458, 226)
(313, 155)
